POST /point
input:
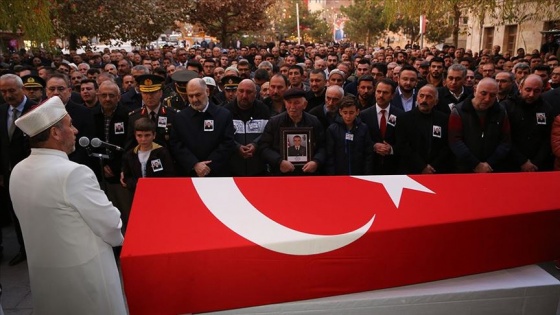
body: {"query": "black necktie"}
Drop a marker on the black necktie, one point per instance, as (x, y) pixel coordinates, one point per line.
(153, 116)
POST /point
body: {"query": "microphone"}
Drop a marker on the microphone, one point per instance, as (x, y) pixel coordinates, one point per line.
(83, 142)
(96, 143)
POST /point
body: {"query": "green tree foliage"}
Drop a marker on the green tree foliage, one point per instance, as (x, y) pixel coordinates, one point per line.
(312, 27)
(226, 18)
(139, 21)
(365, 21)
(30, 17)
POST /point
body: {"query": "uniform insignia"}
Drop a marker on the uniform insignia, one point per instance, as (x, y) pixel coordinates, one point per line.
(230, 81)
(30, 80)
(148, 82)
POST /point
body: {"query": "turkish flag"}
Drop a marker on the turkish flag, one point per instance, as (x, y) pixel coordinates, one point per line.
(207, 244)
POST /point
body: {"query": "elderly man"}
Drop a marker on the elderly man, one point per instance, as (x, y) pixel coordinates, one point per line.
(68, 224)
(421, 136)
(328, 112)
(531, 120)
(274, 140)
(202, 137)
(250, 116)
(479, 131)
(111, 125)
(14, 145)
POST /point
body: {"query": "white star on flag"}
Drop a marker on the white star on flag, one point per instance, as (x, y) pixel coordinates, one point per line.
(394, 185)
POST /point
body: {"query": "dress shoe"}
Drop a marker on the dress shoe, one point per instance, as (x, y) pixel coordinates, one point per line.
(20, 257)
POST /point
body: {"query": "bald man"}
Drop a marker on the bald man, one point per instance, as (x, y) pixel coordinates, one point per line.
(479, 131)
(531, 121)
(421, 134)
(202, 137)
(250, 116)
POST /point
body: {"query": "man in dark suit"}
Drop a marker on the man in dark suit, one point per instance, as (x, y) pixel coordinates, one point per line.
(381, 120)
(114, 114)
(297, 149)
(405, 97)
(199, 151)
(82, 118)
(14, 145)
(422, 143)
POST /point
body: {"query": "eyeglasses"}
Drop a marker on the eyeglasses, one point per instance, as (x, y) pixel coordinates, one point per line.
(57, 88)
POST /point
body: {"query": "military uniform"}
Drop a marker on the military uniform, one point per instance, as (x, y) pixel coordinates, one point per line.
(180, 79)
(163, 118)
(164, 121)
(176, 102)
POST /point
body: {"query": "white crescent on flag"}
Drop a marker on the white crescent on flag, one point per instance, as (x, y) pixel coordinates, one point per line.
(239, 215)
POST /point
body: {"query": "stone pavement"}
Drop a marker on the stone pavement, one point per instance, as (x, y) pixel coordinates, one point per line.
(16, 295)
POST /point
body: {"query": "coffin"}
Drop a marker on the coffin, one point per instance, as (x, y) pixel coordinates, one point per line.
(209, 244)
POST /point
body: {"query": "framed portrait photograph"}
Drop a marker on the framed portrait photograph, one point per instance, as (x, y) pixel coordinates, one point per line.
(297, 145)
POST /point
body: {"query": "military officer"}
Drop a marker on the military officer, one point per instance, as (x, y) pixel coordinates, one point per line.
(150, 87)
(178, 100)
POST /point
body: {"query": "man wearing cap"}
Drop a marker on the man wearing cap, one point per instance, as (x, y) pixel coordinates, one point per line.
(34, 88)
(180, 78)
(230, 83)
(150, 87)
(14, 145)
(273, 143)
(202, 136)
(68, 223)
(133, 99)
(212, 89)
(250, 116)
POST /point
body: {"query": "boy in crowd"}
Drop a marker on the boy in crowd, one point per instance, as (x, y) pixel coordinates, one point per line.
(147, 159)
(349, 144)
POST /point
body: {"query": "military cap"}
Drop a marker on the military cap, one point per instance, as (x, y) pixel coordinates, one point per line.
(184, 76)
(33, 81)
(230, 82)
(293, 93)
(149, 83)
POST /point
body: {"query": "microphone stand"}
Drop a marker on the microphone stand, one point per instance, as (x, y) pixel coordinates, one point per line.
(100, 157)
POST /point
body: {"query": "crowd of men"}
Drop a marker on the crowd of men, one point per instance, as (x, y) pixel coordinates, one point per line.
(295, 109)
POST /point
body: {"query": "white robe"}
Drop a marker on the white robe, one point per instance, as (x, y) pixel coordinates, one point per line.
(69, 227)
